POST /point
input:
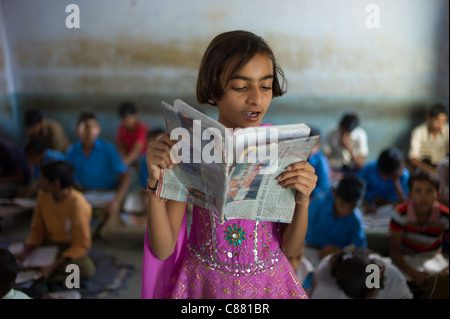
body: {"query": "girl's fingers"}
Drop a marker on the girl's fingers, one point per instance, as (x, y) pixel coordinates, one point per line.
(306, 172)
(298, 183)
(300, 165)
(300, 176)
(157, 156)
(158, 152)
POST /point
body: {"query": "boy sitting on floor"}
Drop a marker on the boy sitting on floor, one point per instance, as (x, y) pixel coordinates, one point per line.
(61, 218)
(416, 231)
(335, 221)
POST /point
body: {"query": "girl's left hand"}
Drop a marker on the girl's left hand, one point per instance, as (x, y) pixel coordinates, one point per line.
(302, 177)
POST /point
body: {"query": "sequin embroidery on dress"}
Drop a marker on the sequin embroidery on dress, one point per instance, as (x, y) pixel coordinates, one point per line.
(236, 259)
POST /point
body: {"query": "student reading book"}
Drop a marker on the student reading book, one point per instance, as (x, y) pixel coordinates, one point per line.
(239, 258)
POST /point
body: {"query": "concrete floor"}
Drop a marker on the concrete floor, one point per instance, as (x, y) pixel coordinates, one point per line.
(130, 252)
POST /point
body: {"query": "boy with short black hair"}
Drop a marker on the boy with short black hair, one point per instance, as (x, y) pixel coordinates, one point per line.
(346, 146)
(429, 142)
(386, 179)
(131, 135)
(49, 130)
(334, 220)
(416, 231)
(61, 217)
(97, 163)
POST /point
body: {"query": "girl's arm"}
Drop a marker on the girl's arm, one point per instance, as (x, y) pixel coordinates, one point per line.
(164, 217)
(302, 177)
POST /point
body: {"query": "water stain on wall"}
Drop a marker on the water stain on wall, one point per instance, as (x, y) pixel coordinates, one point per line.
(112, 53)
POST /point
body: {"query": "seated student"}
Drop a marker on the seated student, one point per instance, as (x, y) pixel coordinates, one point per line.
(344, 275)
(50, 131)
(131, 136)
(319, 161)
(416, 231)
(14, 169)
(346, 146)
(386, 180)
(97, 163)
(334, 220)
(429, 141)
(62, 218)
(38, 154)
(8, 273)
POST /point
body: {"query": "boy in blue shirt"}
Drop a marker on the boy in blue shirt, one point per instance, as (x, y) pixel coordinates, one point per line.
(386, 180)
(97, 162)
(334, 220)
(319, 161)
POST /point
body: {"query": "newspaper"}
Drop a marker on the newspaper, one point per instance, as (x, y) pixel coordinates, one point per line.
(232, 172)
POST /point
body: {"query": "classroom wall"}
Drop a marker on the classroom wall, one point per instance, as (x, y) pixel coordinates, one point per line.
(149, 51)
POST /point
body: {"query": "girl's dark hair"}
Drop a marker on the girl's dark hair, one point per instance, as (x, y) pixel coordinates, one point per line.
(59, 170)
(227, 53)
(349, 270)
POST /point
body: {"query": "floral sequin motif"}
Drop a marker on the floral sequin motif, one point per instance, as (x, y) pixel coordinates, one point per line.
(234, 235)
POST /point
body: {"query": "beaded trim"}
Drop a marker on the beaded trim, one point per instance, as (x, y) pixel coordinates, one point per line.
(208, 253)
(234, 269)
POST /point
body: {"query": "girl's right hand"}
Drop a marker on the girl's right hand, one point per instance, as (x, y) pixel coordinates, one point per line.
(158, 157)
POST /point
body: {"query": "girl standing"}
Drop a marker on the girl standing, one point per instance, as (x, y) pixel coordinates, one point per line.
(239, 258)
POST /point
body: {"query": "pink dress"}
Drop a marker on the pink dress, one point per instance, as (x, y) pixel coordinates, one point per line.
(238, 259)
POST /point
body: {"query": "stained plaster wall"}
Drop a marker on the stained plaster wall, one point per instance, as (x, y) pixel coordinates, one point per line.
(148, 51)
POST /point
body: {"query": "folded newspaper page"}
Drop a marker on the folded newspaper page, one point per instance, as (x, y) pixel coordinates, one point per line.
(232, 173)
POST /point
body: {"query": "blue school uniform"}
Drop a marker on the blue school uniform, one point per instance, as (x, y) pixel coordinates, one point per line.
(101, 169)
(322, 168)
(378, 187)
(325, 229)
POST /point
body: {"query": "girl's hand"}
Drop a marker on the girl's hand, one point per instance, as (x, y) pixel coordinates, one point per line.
(158, 157)
(302, 177)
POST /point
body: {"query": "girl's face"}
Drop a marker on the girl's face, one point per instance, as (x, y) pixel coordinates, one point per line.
(248, 94)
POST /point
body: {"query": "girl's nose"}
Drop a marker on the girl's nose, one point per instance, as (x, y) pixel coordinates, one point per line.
(254, 96)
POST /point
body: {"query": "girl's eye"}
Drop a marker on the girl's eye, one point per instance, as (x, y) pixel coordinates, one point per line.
(266, 88)
(238, 89)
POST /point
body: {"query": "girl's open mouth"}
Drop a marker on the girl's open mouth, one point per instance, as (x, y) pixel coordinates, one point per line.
(252, 116)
